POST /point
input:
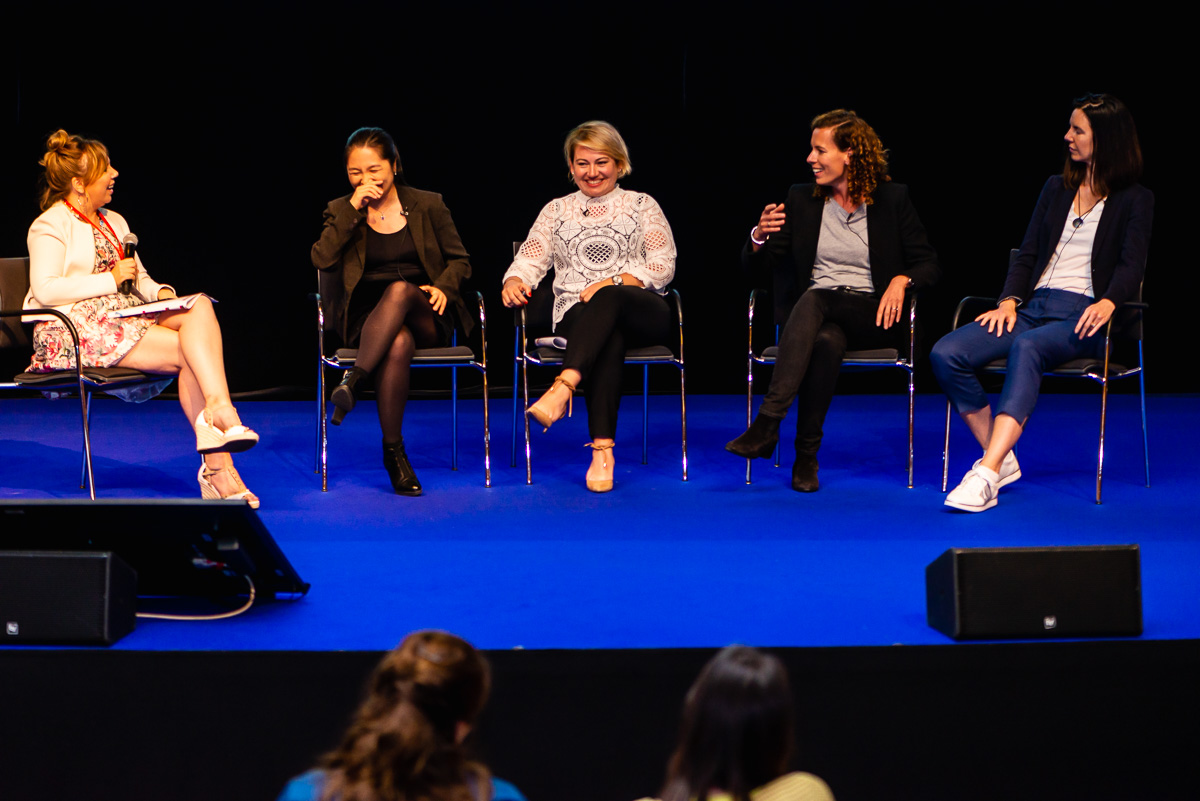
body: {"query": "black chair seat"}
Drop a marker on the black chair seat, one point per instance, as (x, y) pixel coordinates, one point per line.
(1073, 368)
(346, 357)
(881, 356)
(653, 353)
(59, 378)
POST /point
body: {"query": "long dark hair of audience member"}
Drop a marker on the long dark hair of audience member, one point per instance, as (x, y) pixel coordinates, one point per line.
(406, 739)
(737, 732)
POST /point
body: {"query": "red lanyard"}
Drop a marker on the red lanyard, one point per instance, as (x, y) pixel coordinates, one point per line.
(112, 239)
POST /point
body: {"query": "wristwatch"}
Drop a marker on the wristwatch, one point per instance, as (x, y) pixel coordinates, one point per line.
(618, 280)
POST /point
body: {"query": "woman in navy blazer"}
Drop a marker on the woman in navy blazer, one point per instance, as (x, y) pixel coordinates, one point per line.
(841, 253)
(1084, 254)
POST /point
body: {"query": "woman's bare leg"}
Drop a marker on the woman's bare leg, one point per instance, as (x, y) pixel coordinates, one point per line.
(980, 424)
(160, 351)
(1005, 433)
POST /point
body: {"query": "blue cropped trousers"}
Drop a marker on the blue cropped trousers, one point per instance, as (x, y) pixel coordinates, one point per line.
(1042, 338)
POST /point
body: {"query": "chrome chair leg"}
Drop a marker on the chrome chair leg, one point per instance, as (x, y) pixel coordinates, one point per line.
(946, 449)
(749, 402)
(683, 417)
(1142, 392)
(454, 418)
(515, 396)
(645, 412)
(911, 406)
(88, 478)
(487, 435)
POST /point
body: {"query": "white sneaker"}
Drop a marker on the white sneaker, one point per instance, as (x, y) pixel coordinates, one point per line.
(1009, 470)
(976, 492)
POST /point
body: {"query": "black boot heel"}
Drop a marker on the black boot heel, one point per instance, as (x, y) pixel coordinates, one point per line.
(343, 396)
(400, 471)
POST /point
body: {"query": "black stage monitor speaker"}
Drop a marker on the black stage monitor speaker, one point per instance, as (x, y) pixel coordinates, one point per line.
(179, 547)
(66, 597)
(1029, 593)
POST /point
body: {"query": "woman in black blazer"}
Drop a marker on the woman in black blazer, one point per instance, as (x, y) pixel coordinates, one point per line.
(1084, 254)
(841, 252)
(391, 265)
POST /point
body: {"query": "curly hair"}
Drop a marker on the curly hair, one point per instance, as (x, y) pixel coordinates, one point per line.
(69, 156)
(868, 165)
(403, 744)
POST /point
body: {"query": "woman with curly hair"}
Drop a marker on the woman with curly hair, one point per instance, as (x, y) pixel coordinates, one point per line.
(842, 252)
(406, 741)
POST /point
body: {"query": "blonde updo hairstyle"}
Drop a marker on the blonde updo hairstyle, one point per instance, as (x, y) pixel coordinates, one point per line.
(69, 156)
(602, 137)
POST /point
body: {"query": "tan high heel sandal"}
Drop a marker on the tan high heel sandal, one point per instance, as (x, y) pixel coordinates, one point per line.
(209, 491)
(210, 439)
(603, 484)
(543, 418)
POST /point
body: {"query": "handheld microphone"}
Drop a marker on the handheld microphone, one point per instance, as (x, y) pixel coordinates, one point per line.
(130, 244)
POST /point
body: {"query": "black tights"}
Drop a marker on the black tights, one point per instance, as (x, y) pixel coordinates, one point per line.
(401, 322)
(598, 333)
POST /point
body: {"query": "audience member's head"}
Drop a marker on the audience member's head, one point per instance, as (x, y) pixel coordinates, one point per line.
(737, 728)
(406, 739)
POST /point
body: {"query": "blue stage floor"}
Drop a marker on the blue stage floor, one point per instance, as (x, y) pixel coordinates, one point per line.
(655, 563)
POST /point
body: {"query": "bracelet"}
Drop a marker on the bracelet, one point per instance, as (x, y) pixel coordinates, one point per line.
(758, 242)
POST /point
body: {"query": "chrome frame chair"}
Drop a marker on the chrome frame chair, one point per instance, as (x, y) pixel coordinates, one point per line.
(856, 360)
(1101, 370)
(453, 357)
(524, 356)
(14, 279)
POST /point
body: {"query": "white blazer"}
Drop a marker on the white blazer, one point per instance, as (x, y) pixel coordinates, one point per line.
(62, 255)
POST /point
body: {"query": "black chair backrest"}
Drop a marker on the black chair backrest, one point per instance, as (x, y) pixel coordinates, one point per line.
(14, 285)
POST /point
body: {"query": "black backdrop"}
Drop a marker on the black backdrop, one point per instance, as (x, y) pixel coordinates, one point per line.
(227, 123)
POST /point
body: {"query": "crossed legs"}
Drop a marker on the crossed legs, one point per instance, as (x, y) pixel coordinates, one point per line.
(598, 334)
(188, 343)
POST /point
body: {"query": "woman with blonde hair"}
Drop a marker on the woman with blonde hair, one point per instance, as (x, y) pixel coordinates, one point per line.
(613, 256)
(406, 741)
(842, 252)
(78, 265)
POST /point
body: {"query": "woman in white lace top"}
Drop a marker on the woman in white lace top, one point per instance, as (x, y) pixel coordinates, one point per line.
(607, 247)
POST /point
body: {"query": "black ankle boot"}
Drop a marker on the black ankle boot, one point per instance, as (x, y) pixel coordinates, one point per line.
(804, 474)
(343, 396)
(759, 440)
(404, 478)
(804, 471)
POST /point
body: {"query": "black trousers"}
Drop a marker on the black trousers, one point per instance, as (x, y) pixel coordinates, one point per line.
(823, 325)
(598, 334)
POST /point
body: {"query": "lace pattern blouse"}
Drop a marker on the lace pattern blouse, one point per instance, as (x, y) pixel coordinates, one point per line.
(588, 239)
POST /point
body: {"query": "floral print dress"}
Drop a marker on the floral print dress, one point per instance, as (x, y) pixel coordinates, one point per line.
(103, 340)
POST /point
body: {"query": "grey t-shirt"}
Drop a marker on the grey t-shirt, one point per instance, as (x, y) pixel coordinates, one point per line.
(843, 256)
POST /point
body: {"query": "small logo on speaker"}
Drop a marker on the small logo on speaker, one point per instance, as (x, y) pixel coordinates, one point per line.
(12, 627)
(1049, 622)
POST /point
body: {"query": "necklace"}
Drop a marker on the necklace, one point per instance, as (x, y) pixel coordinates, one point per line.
(1079, 218)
